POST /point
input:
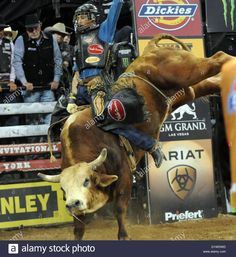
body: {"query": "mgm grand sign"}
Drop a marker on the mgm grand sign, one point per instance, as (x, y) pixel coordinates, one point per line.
(190, 121)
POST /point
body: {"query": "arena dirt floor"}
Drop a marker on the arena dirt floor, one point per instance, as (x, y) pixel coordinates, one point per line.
(221, 228)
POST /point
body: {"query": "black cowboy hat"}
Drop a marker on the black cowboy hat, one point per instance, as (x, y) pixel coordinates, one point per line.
(32, 20)
(2, 23)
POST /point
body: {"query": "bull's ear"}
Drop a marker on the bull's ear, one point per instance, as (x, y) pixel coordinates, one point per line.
(104, 180)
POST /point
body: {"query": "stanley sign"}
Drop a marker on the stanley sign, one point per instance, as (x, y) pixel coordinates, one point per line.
(31, 204)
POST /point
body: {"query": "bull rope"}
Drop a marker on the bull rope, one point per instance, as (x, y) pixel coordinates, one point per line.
(133, 75)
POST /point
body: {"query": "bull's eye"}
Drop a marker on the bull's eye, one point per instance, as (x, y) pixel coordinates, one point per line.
(86, 182)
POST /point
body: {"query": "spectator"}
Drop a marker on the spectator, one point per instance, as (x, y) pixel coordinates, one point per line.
(10, 34)
(58, 31)
(37, 62)
(7, 75)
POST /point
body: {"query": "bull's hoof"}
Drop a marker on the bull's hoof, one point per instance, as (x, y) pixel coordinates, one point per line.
(125, 238)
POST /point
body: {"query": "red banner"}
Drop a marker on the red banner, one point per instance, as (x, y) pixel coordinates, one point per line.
(30, 165)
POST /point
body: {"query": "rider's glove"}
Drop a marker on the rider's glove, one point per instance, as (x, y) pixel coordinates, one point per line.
(71, 107)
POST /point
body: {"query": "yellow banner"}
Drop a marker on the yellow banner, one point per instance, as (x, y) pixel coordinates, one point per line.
(196, 45)
(30, 204)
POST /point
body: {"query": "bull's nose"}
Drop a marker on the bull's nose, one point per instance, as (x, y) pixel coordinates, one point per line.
(76, 203)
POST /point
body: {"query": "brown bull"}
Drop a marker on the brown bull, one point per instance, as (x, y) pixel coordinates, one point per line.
(166, 78)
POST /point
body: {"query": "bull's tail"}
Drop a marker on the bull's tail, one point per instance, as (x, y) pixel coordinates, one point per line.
(52, 157)
(194, 107)
(154, 42)
(170, 37)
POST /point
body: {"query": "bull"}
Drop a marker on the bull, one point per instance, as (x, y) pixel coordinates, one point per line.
(94, 165)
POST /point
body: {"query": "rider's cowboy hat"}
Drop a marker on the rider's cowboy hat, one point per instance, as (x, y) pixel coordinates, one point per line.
(2, 23)
(57, 28)
(11, 33)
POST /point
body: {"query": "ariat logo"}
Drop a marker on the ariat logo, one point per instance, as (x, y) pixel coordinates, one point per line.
(168, 15)
(182, 180)
(187, 215)
(229, 11)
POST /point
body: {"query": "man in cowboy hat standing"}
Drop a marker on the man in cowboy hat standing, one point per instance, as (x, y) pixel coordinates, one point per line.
(10, 34)
(37, 63)
(58, 31)
(7, 73)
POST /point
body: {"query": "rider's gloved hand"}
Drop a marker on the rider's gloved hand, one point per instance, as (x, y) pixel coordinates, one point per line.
(72, 106)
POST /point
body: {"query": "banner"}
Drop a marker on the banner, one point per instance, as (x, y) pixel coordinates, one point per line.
(189, 121)
(179, 17)
(32, 204)
(221, 15)
(196, 45)
(183, 187)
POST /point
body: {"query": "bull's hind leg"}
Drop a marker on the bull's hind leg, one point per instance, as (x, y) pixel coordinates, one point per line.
(206, 87)
(209, 67)
(183, 69)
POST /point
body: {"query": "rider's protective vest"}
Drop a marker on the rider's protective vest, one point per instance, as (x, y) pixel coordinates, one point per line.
(5, 60)
(38, 61)
(91, 52)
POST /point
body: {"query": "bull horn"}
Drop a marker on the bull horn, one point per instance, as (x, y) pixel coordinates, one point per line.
(50, 178)
(99, 160)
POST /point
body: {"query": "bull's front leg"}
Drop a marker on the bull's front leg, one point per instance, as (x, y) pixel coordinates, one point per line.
(122, 197)
(120, 213)
(79, 227)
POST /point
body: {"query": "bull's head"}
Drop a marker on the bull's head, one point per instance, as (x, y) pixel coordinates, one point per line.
(83, 186)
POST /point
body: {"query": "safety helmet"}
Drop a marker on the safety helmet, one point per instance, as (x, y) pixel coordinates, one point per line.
(86, 9)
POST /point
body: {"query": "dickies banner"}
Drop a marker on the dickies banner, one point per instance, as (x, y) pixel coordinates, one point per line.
(178, 17)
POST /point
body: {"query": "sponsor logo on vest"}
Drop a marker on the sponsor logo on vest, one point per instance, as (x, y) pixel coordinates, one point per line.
(187, 215)
(182, 180)
(169, 15)
(95, 49)
(92, 59)
(116, 110)
(232, 98)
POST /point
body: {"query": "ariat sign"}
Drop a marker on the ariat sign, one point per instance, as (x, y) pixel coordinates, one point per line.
(168, 10)
(187, 215)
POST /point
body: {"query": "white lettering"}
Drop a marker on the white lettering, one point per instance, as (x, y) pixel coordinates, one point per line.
(184, 215)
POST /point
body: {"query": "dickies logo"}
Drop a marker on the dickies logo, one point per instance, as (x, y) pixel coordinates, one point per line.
(95, 49)
(116, 110)
(168, 15)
